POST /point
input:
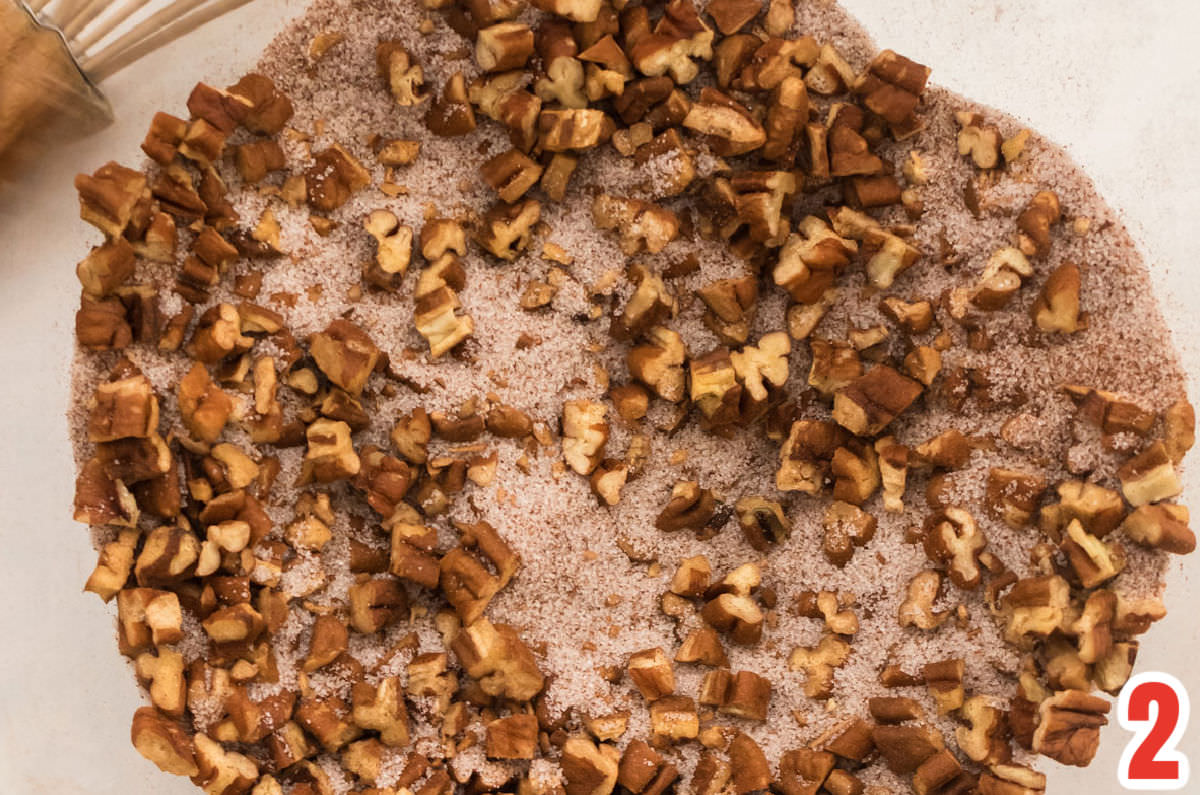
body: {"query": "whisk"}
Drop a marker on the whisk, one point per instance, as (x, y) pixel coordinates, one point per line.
(53, 54)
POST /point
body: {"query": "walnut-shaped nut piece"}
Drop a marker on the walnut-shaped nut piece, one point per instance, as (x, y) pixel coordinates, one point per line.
(1057, 308)
(401, 73)
(893, 472)
(608, 479)
(101, 500)
(917, 608)
(221, 770)
(762, 202)
(679, 36)
(763, 522)
(819, 664)
(122, 408)
(1036, 221)
(380, 707)
(953, 538)
(642, 226)
(692, 578)
(651, 673)
(333, 177)
(585, 433)
(1011, 780)
(658, 361)
(1069, 730)
(744, 694)
(588, 768)
(728, 127)
(806, 454)
(345, 354)
(498, 660)
(330, 455)
(690, 507)
(731, 308)
(1179, 429)
(164, 742)
(702, 646)
(761, 369)
(855, 468)
(114, 566)
(512, 737)
(466, 582)
(506, 229)
(218, 334)
(649, 306)
(1100, 510)
(106, 268)
(869, 404)
(1036, 606)
(1161, 526)
(978, 140)
(261, 107)
(413, 544)
(574, 10)
(163, 676)
(393, 248)
(1093, 561)
(810, 259)
(1002, 277)
(846, 527)
(736, 614)
(827, 606)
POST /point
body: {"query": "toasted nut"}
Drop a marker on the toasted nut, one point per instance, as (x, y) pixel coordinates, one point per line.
(729, 128)
(702, 646)
(917, 609)
(1012, 780)
(937, 773)
(585, 433)
(511, 174)
(608, 479)
(825, 605)
(643, 770)
(588, 768)
(651, 673)
(763, 522)
(1036, 606)
(401, 73)
(1057, 307)
(894, 709)
(805, 456)
(505, 230)
(692, 577)
(1149, 477)
(761, 369)
(1013, 496)
(945, 682)
(731, 304)
(979, 141)
(345, 354)
(608, 727)
(466, 582)
(657, 363)
(330, 455)
(1035, 222)
(114, 566)
(810, 259)
(952, 537)
(872, 401)
(674, 718)
(690, 507)
(376, 603)
(856, 469)
(642, 226)
(1161, 526)
(394, 247)
(1069, 731)
(714, 387)
(819, 663)
(503, 46)
(1093, 561)
(162, 741)
(495, 656)
(846, 527)
(513, 737)
(573, 129)
(893, 472)
(333, 177)
(574, 10)
(1100, 510)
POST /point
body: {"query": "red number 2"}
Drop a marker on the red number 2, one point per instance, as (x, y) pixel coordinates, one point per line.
(1155, 707)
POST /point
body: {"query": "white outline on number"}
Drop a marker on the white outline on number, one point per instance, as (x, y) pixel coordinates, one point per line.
(1141, 730)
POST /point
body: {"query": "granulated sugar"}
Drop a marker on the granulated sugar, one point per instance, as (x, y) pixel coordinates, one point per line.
(578, 598)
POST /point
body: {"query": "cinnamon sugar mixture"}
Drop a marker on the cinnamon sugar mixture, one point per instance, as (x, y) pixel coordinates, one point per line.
(589, 589)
